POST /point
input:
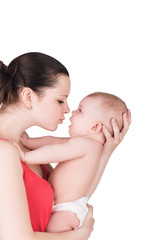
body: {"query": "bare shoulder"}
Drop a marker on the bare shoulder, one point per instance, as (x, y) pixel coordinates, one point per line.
(86, 142)
(11, 168)
(6, 146)
(8, 151)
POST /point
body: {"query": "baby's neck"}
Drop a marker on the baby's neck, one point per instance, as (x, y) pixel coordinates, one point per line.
(98, 137)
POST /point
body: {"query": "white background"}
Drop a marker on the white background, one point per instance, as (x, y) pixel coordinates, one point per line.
(111, 46)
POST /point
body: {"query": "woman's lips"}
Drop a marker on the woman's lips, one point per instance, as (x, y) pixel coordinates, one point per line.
(61, 120)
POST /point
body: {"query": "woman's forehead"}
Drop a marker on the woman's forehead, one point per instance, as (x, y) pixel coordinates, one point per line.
(63, 83)
(62, 87)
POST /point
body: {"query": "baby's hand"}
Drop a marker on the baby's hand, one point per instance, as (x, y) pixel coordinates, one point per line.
(24, 138)
(21, 153)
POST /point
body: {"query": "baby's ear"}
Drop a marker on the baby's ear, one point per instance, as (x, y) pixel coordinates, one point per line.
(96, 128)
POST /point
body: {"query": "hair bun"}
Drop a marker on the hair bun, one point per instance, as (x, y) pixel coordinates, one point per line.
(3, 67)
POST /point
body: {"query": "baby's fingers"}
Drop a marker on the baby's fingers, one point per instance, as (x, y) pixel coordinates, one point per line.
(21, 153)
(16, 145)
(24, 137)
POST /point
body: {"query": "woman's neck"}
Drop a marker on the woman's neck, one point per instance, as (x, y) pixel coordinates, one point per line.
(12, 125)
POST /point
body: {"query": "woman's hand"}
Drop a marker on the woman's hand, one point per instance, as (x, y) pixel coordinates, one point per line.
(88, 224)
(109, 146)
(113, 141)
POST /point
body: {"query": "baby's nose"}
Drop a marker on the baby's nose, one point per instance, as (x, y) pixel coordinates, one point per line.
(73, 112)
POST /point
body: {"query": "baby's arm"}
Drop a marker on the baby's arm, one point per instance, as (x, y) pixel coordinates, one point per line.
(54, 153)
(34, 143)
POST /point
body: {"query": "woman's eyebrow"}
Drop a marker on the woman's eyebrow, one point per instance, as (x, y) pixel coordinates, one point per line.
(63, 95)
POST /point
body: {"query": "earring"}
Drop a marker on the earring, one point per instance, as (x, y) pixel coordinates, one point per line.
(29, 108)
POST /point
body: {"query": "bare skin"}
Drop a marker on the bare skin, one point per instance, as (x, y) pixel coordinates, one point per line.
(73, 154)
(14, 218)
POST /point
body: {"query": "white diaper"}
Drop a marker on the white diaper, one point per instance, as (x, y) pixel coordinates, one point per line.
(78, 206)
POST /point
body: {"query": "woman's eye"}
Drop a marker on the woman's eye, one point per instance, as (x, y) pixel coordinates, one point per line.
(60, 101)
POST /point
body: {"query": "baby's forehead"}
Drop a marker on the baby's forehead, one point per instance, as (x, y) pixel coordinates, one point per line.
(93, 105)
(102, 104)
(91, 102)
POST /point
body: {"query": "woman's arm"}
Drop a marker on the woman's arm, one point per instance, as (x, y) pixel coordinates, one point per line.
(14, 218)
(109, 146)
(34, 143)
(82, 233)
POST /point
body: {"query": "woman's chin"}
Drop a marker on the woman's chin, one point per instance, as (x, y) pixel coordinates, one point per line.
(54, 128)
(51, 128)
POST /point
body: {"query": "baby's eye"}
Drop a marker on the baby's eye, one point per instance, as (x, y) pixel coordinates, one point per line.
(60, 101)
(79, 110)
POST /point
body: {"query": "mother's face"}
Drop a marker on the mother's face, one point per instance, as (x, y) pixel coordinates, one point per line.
(50, 109)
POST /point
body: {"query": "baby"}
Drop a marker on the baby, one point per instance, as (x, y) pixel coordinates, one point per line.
(78, 157)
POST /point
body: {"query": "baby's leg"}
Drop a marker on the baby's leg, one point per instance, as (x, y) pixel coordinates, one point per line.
(62, 221)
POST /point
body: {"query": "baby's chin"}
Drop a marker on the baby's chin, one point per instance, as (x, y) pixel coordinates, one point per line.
(71, 133)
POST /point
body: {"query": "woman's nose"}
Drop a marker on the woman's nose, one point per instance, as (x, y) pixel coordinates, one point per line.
(67, 109)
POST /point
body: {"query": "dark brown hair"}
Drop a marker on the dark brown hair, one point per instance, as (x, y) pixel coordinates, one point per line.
(34, 70)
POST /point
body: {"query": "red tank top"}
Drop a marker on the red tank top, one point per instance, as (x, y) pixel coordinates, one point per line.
(39, 195)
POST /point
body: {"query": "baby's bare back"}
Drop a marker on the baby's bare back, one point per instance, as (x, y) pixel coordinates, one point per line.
(72, 179)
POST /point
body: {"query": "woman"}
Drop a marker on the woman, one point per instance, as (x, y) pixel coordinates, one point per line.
(33, 91)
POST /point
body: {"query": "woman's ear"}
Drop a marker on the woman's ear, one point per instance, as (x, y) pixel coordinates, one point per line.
(96, 128)
(27, 97)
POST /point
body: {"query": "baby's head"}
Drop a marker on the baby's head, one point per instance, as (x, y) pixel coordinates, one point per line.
(109, 106)
(94, 111)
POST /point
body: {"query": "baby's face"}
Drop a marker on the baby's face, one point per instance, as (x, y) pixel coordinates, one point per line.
(84, 117)
(90, 111)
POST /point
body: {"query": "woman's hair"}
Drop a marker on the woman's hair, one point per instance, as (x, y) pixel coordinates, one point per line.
(34, 70)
